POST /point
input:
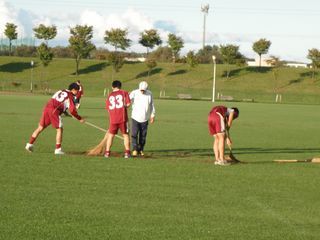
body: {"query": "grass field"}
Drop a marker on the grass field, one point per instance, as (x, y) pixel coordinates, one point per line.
(174, 193)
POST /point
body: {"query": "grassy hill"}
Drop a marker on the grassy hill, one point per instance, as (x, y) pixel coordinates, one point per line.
(295, 84)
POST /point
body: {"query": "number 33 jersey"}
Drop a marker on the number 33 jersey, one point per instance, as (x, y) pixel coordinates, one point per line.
(61, 101)
(116, 105)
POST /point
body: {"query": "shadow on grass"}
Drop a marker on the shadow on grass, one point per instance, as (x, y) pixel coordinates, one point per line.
(178, 72)
(92, 68)
(15, 67)
(152, 72)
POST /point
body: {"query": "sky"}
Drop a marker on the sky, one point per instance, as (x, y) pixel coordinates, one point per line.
(290, 25)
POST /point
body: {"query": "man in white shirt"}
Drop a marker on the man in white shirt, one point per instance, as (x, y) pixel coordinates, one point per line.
(142, 111)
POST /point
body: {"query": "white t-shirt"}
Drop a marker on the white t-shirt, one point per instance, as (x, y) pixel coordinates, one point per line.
(142, 105)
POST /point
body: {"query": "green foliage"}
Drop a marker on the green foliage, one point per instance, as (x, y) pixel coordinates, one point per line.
(117, 38)
(176, 44)
(151, 63)
(230, 55)
(261, 47)
(80, 43)
(44, 54)
(314, 56)
(191, 59)
(11, 33)
(162, 54)
(45, 33)
(149, 39)
(205, 54)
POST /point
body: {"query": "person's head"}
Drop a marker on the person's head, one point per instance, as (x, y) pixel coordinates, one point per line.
(235, 113)
(74, 88)
(116, 84)
(143, 86)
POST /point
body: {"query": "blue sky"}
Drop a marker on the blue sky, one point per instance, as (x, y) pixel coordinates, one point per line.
(291, 26)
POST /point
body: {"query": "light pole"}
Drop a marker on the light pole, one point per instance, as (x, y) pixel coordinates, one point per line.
(31, 82)
(205, 10)
(214, 79)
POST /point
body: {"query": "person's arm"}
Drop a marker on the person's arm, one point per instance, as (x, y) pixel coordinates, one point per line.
(73, 110)
(153, 110)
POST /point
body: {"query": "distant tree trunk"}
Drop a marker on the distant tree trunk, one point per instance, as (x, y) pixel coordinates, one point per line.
(259, 60)
(10, 46)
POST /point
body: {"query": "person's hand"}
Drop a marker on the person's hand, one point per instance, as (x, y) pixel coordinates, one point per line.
(152, 120)
(82, 120)
(229, 142)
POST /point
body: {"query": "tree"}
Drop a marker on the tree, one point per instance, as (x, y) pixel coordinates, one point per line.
(80, 43)
(151, 63)
(162, 54)
(230, 55)
(261, 47)
(149, 39)
(45, 33)
(205, 54)
(314, 56)
(276, 63)
(117, 38)
(176, 44)
(11, 33)
(191, 59)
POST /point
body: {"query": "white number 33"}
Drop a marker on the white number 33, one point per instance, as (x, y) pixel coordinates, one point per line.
(116, 102)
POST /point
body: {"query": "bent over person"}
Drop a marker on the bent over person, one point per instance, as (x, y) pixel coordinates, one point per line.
(117, 103)
(219, 122)
(142, 111)
(51, 115)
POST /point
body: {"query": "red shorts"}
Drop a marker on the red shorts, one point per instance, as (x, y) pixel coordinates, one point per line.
(114, 127)
(216, 123)
(51, 116)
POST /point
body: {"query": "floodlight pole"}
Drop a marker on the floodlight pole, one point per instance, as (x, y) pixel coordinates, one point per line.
(214, 79)
(205, 10)
(31, 82)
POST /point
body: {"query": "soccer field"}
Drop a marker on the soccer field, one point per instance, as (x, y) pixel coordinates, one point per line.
(176, 192)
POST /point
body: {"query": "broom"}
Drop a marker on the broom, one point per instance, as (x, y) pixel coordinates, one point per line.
(101, 147)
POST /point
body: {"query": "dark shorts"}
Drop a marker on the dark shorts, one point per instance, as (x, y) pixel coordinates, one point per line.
(114, 127)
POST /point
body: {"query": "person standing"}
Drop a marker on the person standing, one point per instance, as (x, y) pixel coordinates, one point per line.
(58, 104)
(142, 111)
(116, 104)
(219, 122)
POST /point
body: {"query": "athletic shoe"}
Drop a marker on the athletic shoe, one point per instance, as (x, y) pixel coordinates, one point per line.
(141, 153)
(29, 147)
(222, 163)
(127, 155)
(134, 153)
(58, 151)
(106, 154)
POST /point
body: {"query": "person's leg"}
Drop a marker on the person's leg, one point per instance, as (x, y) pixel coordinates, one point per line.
(109, 141)
(221, 137)
(33, 138)
(126, 142)
(143, 135)
(134, 136)
(216, 148)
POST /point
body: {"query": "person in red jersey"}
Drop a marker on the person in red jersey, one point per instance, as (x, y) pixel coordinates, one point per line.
(219, 122)
(78, 96)
(51, 115)
(117, 103)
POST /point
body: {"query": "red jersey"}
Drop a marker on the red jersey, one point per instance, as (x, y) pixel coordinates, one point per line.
(61, 101)
(80, 92)
(220, 109)
(116, 105)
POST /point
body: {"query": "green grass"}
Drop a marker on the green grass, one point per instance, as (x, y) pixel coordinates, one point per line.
(176, 193)
(295, 84)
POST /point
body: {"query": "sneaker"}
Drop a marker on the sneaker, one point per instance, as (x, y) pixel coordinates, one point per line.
(58, 151)
(222, 163)
(127, 155)
(29, 147)
(134, 153)
(141, 153)
(106, 154)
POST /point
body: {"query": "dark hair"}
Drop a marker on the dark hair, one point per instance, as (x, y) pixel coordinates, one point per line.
(74, 86)
(116, 84)
(236, 112)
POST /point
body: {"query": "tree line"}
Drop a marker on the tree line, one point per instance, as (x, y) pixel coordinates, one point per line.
(81, 46)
